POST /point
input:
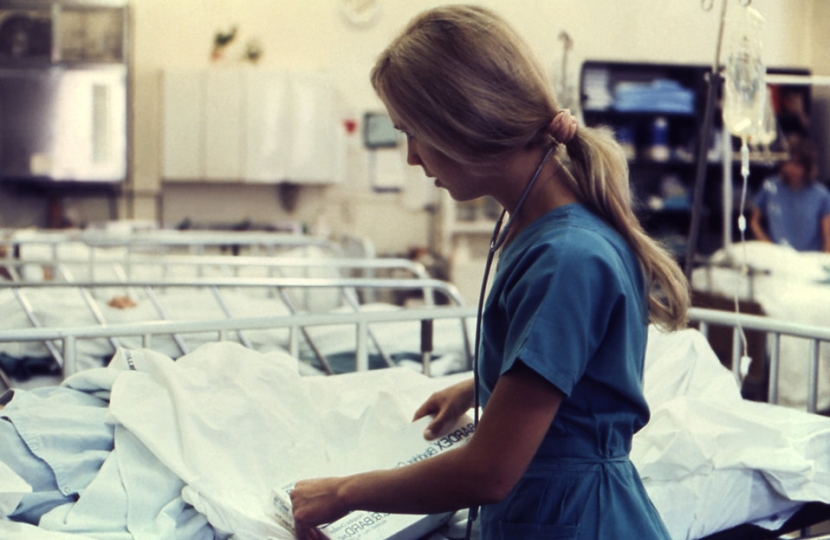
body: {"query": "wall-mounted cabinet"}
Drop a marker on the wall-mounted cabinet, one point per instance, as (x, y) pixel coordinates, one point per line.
(248, 125)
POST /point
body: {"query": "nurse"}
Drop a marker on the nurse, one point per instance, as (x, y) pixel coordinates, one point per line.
(792, 208)
(564, 326)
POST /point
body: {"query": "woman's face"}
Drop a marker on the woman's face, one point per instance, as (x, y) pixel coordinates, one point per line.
(794, 173)
(449, 174)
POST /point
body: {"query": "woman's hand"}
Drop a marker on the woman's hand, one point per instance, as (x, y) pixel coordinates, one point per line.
(446, 406)
(316, 502)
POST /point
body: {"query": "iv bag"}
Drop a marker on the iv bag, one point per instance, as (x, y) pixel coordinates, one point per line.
(745, 79)
(765, 131)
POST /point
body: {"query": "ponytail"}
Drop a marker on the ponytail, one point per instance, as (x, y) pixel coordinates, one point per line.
(600, 173)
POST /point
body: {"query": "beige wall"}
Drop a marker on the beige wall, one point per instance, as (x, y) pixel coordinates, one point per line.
(311, 34)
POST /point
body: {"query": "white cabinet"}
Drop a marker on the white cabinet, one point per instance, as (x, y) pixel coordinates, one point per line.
(223, 124)
(248, 125)
(182, 125)
(312, 144)
(267, 133)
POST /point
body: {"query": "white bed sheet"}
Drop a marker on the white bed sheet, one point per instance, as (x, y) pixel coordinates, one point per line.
(232, 424)
(711, 460)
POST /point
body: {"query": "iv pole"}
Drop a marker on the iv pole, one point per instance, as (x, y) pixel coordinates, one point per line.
(715, 80)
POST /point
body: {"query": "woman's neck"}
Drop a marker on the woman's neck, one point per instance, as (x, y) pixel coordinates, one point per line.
(551, 190)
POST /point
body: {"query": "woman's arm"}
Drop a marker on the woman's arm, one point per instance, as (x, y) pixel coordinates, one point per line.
(756, 225)
(518, 415)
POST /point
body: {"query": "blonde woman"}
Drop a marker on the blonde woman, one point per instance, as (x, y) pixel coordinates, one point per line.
(564, 327)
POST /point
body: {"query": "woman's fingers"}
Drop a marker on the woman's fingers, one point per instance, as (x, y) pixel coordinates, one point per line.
(428, 408)
(438, 424)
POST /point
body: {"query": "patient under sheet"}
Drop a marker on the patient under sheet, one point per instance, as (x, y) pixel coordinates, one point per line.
(198, 445)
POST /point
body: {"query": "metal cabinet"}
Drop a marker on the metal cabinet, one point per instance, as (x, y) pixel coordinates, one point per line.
(63, 91)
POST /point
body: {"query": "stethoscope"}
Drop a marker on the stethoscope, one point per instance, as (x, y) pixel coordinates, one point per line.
(496, 242)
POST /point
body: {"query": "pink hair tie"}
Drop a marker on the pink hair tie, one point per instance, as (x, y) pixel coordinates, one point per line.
(563, 126)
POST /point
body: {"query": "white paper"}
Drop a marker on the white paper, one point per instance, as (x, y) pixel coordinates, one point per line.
(400, 446)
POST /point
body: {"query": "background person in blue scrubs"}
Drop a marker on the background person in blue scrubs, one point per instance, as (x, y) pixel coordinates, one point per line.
(565, 324)
(792, 208)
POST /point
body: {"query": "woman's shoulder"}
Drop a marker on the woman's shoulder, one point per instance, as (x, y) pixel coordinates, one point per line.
(583, 232)
(574, 237)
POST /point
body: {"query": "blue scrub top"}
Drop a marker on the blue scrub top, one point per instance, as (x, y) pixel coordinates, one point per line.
(568, 300)
(794, 216)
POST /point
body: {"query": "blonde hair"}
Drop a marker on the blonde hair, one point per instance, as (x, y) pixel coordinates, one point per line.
(463, 81)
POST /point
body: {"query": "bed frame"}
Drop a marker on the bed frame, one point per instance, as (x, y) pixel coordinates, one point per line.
(62, 342)
(812, 514)
(702, 317)
(125, 261)
(796, 527)
(773, 329)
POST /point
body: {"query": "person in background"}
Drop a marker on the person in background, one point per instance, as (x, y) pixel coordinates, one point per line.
(792, 208)
(565, 324)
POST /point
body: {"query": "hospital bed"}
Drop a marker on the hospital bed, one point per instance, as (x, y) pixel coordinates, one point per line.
(65, 304)
(717, 466)
(88, 262)
(777, 332)
(119, 253)
(786, 285)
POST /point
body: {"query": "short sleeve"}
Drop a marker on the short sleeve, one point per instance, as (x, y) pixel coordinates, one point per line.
(760, 199)
(559, 306)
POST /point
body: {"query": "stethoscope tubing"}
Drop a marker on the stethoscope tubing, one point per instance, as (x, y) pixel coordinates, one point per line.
(496, 241)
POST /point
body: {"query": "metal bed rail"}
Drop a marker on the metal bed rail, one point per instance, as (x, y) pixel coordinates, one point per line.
(230, 266)
(164, 241)
(69, 336)
(429, 284)
(347, 286)
(64, 268)
(774, 329)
